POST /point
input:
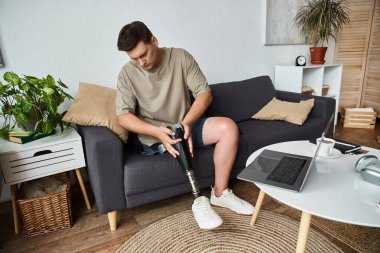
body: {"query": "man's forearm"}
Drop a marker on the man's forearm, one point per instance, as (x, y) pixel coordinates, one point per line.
(198, 108)
(132, 123)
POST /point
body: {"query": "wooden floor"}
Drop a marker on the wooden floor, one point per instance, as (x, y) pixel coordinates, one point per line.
(91, 232)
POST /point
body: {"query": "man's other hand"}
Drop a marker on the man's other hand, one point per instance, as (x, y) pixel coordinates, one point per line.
(187, 136)
(163, 134)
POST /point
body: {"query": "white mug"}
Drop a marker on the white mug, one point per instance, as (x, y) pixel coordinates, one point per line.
(327, 146)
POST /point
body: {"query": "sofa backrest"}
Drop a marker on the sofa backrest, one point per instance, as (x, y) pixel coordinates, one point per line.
(242, 99)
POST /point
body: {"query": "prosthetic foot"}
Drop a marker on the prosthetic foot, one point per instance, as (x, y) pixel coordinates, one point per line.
(184, 158)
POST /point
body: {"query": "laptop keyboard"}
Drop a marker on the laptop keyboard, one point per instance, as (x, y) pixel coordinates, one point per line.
(287, 170)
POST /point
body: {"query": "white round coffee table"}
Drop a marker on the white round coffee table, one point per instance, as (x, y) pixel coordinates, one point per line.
(333, 190)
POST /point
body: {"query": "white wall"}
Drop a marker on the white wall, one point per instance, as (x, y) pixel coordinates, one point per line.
(75, 40)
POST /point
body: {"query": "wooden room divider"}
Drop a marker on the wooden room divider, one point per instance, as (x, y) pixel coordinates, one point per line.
(358, 49)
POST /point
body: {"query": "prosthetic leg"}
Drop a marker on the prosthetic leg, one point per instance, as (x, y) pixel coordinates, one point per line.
(204, 215)
(184, 158)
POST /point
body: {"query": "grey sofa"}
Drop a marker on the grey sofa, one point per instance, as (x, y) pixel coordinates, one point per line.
(121, 177)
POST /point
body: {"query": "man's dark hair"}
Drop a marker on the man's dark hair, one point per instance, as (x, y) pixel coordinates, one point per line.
(132, 34)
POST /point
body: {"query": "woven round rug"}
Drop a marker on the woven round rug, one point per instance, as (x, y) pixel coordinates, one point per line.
(272, 232)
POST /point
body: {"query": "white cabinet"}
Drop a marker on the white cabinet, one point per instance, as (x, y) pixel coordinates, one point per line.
(293, 78)
(47, 156)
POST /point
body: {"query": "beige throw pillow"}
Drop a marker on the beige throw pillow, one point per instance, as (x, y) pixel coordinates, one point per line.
(295, 113)
(95, 106)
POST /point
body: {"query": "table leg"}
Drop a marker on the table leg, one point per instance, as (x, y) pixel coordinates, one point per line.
(16, 219)
(303, 232)
(256, 211)
(83, 188)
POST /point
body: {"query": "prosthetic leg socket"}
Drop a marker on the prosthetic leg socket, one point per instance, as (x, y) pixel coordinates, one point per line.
(184, 159)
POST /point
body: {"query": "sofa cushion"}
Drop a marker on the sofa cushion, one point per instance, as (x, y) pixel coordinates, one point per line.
(94, 105)
(295, 113)
(240, 100)
(260, 133)
(143, 173)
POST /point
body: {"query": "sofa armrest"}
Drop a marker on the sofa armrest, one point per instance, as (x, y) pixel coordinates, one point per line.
(105, 159)
(323, 108)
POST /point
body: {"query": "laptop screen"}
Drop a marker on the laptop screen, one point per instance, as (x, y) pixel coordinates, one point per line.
(324, 133)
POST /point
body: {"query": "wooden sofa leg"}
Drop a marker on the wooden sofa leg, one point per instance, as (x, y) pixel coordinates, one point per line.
(112, 216)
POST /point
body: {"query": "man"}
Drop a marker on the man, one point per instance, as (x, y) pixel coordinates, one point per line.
(153, 93)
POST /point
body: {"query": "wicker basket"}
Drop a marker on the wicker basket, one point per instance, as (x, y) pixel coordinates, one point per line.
(306, 90)
(47, 213)
(325, 89)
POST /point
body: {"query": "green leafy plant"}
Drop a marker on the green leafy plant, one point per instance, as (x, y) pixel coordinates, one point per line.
(320, 20)
(31, 103)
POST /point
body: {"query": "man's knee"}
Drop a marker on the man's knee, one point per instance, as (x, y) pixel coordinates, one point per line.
(228, 127)
(220, 128)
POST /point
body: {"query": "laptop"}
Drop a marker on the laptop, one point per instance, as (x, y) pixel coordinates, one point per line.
(284, 170)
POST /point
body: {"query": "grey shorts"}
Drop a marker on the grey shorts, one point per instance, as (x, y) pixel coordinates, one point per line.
(196, 132)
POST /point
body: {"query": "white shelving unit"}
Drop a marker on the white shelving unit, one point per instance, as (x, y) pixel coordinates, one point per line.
(293, 78)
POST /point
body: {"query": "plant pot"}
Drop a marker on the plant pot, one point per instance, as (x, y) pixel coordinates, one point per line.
(28, 126)
(31, 123)
(317, 55)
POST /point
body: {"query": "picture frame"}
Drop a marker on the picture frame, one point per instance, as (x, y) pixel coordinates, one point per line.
(279, 26)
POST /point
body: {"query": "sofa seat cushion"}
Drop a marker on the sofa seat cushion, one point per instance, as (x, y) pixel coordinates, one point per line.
(240, 100)
(143, 173)
(260, 133)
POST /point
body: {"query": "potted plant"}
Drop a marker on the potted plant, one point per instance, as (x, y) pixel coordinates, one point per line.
(320, 20)
(31, 103)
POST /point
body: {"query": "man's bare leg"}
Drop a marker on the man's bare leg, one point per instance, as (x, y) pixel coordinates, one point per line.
(225, 134)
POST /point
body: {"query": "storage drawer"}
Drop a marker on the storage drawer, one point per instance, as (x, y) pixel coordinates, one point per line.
(43, 161)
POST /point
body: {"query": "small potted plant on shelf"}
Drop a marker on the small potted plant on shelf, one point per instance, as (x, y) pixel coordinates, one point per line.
(319, 21)
(31, 104)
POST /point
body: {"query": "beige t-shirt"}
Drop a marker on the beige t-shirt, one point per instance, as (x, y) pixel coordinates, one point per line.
(160, 96)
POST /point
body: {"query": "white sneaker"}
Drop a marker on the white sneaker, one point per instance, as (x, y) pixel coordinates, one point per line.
(204, 215)
(229, 200)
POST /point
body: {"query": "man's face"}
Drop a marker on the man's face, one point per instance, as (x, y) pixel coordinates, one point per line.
(146, 55)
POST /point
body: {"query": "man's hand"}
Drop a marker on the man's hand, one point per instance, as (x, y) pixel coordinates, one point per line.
(163, 135)
(187, 136)
(197, 109)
